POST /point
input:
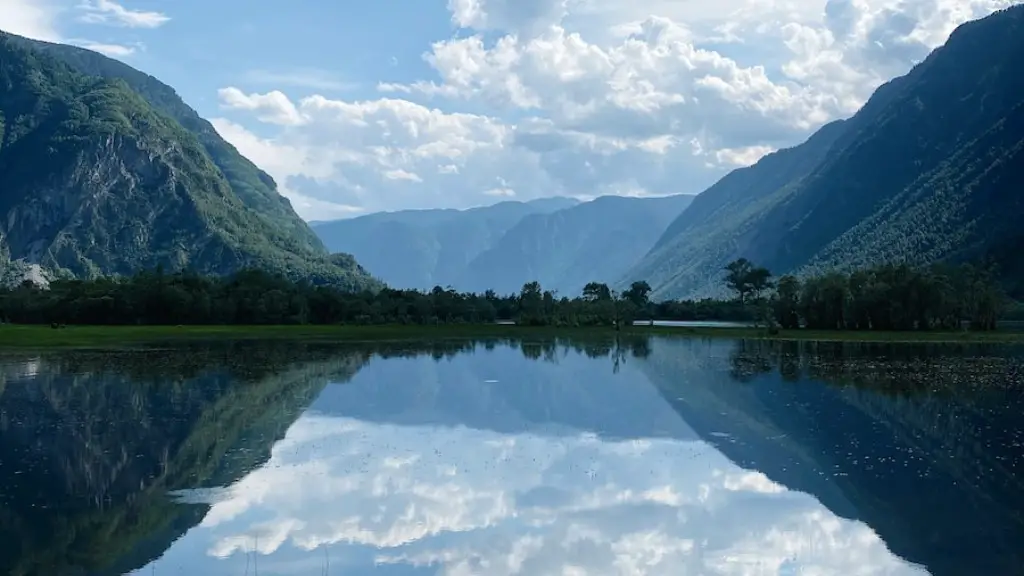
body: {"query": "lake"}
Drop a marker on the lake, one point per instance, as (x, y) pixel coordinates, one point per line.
(640, 455)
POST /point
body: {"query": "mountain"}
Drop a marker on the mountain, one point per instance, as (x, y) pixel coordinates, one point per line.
(559, 242)
(564, 250)
(426, 248)
(930, 169)
(105, 170)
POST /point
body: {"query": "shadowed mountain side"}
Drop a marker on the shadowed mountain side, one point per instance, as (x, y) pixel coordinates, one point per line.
(788, 410)
(560, 392)
(122, 430)
(928, 170)
(426, 248)
(687, 254)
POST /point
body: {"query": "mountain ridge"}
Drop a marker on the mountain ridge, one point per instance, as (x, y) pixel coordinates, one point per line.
(562, 243)
(564, 250)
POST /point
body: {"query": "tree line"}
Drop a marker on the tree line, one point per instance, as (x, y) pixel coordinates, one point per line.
(883, 297)
(259, 297)
(887, 297)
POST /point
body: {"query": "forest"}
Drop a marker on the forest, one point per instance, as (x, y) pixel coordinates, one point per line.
(887, 297)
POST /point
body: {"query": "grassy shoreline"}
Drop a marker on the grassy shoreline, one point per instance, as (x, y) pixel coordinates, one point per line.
(22, 336)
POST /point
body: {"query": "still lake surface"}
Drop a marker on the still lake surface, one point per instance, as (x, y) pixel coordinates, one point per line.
(642, 455)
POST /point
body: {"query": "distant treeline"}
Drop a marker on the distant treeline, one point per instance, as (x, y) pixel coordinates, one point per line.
(881, 298)
(257, 297)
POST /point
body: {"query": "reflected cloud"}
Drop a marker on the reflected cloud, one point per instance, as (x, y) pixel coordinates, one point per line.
(456, 500)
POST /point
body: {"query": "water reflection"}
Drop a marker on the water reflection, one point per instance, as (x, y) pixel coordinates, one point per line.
(628, 456)
(91, 443)
(921, 442)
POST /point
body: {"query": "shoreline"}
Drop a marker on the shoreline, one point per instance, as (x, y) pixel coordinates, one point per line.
(44, 336)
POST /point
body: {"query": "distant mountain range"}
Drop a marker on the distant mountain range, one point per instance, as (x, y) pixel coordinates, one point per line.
(930, 169)
(105, 170)
(560, 242)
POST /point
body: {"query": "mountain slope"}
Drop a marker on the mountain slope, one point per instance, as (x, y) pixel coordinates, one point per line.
(947, 212)
(96, 180)
(950, 124)
(705, 234)
(426, 248)
(254, 187)
(564, 250)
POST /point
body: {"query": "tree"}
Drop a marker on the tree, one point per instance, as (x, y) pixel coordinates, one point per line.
(639, 294)
(759, 280)
(596, 292)
(737, 277)
(745, 279)
(531, 303)
(787, 302)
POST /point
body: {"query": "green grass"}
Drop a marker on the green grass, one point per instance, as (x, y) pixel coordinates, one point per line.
(19, 336)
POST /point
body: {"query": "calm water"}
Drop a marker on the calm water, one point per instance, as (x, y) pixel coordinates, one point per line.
(661, 456)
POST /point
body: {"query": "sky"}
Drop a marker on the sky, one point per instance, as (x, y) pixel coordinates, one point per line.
(356, 107)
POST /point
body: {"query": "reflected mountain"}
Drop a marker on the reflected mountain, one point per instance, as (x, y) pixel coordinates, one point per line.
(923, 443)
(571, 386)
(91, 443)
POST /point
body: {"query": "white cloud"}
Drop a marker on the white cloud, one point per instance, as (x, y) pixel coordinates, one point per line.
(380, 153)
(743, 156)
(30, 18)
(273, 107)
(110, 12)
(399, 174)
(501, 192)
(585, 97)
(522, 16)
(112, 50)
(310, 78)
(285, 162)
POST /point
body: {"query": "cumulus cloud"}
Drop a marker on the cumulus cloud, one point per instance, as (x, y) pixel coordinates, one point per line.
(382, 153)
(108, 49)
(38, 19)
(522, 16)
(29, 18)
(585, 97)
(112, 13)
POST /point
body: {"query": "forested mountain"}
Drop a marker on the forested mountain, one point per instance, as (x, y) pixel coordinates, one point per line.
(558, 241)
(930, 169)
(426, 248)
(104, 170)
(564, 250)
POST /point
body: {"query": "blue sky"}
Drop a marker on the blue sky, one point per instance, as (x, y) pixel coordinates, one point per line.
(356, 107)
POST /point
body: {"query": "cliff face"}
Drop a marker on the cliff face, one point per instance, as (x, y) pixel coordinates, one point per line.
(96, 179)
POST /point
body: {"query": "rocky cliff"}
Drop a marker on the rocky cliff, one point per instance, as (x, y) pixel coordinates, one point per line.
(104, 170)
